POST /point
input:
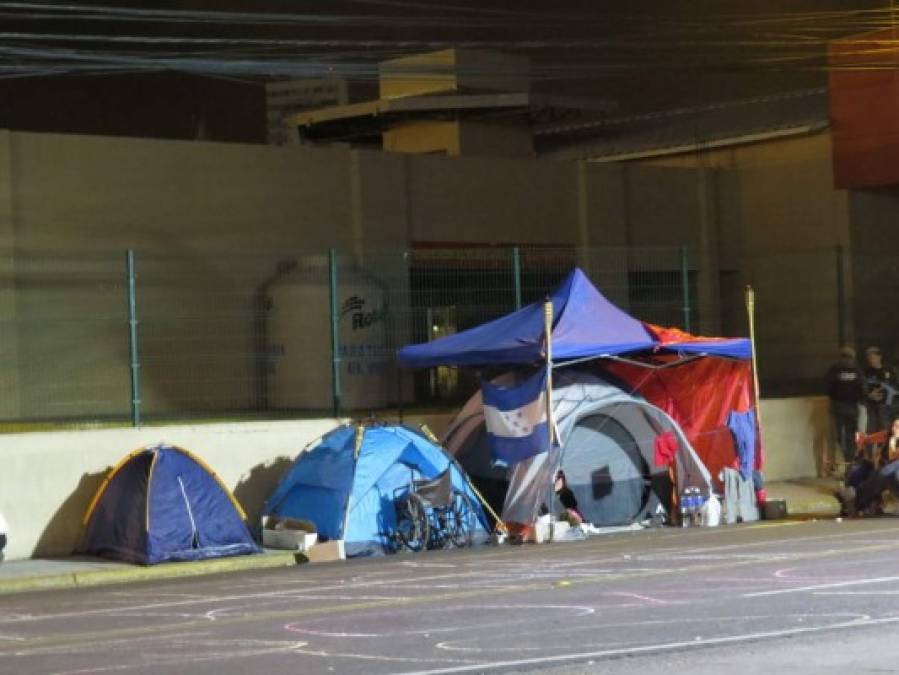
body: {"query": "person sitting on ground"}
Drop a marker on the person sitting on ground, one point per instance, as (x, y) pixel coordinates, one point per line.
(567, 498)
(863, 494)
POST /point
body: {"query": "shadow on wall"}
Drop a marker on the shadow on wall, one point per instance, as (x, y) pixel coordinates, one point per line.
(64, 530)
(256, 486)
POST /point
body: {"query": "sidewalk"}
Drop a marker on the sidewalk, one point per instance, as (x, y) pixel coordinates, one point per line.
(812, 497)
(18, 576)
(808, 496)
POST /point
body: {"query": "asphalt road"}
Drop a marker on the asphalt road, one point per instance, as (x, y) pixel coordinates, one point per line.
(799, 597)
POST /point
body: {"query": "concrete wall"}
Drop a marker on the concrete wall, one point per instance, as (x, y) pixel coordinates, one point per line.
(872, 268)
(796, 432)
(763, 214)
(210, 222)
(776, 224)
(48, 479)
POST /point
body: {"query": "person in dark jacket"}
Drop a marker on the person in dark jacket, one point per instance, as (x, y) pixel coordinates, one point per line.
(567, 499)
(845, 389)
(881, 388)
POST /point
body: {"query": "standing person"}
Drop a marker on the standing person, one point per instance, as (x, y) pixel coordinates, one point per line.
(880, 389)
(845, 389)
(867, 493)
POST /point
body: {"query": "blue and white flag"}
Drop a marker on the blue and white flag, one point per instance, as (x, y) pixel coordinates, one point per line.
(517, 427)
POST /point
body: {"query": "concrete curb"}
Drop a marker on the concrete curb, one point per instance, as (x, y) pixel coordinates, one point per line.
(137, 573)
(815, 497)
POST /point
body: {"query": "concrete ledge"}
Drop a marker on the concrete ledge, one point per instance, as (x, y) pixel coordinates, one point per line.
(807, 497)
(29, 575)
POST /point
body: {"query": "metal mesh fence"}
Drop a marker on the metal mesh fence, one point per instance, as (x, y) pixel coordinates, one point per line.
(225, 335)
(63, 336)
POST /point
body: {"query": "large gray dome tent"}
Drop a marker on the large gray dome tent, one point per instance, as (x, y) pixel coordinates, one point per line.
(607, 452)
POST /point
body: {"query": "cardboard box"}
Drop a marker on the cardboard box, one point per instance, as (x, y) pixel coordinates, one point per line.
(326, 551)
(293, 540)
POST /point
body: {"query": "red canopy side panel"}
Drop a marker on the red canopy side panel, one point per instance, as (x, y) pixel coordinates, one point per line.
(698, 395)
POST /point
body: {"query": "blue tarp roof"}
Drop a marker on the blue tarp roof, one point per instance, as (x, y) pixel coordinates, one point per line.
(585, 324)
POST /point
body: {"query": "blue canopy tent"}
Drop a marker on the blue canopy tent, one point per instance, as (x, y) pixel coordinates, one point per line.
(585, 325)
(346, 484)
(163, 504)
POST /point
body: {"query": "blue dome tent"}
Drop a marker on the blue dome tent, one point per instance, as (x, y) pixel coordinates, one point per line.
(346, 483)
(163, 504)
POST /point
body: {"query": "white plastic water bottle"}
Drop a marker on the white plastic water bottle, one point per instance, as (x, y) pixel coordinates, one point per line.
(710, 514)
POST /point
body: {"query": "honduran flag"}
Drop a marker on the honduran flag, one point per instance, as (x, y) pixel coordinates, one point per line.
(517, 427)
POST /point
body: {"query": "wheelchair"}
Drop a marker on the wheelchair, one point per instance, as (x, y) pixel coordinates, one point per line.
(432, 514)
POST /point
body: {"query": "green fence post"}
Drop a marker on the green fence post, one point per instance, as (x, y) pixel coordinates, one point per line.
(516, 275)
(132, 338)
(335, 331)
(685, 283)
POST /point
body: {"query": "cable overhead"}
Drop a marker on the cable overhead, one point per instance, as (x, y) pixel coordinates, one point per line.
(581, 41)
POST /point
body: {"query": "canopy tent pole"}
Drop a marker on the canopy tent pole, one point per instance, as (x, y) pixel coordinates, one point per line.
(552, 434)
(634, 362)
(750, 311)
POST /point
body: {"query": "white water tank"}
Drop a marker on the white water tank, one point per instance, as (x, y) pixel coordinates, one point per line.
(299, 336)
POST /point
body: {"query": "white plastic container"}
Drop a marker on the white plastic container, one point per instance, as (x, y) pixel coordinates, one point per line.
(710, 513)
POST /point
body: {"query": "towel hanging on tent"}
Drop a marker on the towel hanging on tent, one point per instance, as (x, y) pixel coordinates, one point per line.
(743, 427)
(665, 448)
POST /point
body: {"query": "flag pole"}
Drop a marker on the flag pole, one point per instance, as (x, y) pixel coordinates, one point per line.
(550, 422)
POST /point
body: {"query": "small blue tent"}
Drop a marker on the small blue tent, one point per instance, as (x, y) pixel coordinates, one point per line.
(345, 484)
(163, 504)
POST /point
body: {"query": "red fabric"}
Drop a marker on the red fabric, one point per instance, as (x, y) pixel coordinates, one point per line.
(665, 448)
(698, 395)
(672, 335)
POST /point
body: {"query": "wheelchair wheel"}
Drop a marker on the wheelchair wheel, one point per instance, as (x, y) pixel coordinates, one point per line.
(412, 527)
(462, 520)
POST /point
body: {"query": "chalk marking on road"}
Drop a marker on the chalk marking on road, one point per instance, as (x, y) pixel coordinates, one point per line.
(181, 659)
(652, 648)
(579, 611)
(647, 598)
(815, 587)
(592, 628)
(375, 657)
(107, 646)
(878, 593)
(214, 599)
(480, 592)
